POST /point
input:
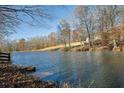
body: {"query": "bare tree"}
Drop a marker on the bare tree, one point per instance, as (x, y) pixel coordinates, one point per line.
(65, 32)
(113, 14)
(52, 39)
(85, 17)
(107, 18)
(12, 16)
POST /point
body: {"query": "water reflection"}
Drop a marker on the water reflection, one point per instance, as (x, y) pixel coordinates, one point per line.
(105, 69)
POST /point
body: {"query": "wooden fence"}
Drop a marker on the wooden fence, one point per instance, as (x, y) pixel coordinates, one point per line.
(5, 57)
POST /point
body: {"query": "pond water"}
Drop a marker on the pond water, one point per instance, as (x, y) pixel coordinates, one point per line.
(79, 69)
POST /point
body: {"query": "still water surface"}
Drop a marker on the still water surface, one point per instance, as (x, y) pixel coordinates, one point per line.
(80, 69)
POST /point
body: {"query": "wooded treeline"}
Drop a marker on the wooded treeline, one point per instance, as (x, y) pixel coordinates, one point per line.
(90, 25)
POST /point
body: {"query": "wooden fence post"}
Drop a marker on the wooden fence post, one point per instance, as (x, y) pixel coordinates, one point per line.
(5, 57)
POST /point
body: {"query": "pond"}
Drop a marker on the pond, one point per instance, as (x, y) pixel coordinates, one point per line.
(79, 69)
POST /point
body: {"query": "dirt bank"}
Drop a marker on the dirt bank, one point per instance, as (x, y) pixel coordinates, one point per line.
(13, 76)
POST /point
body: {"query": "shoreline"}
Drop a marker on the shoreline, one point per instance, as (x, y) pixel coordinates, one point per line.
(14, 76)
(79, 48)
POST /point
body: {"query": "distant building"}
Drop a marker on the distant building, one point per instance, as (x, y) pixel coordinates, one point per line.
(87, 40)
(97, 37)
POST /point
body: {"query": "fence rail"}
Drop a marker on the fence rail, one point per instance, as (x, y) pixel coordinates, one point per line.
(5, 57)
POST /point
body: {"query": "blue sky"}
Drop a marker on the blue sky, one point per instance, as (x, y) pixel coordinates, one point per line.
(27, 31)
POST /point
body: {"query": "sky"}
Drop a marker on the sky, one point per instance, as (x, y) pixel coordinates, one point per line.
(26, 31)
